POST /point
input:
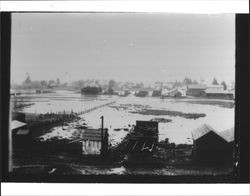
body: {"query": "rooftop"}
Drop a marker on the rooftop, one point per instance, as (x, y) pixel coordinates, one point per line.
(17, 124)
(196, 86)
(218, 91)
(215, 86)
(228, 134)
(92, 134)
(202, 130)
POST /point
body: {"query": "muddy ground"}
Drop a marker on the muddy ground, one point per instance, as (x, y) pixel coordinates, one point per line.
(58, 157)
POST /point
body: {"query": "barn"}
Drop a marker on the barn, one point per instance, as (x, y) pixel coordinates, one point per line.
(209, 146)
(196, 90)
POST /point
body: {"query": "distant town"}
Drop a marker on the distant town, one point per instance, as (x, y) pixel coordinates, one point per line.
(184, 88)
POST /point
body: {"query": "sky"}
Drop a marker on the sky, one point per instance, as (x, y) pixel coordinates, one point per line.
(122, 46)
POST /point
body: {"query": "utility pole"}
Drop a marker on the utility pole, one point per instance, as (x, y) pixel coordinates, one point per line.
(102, 129)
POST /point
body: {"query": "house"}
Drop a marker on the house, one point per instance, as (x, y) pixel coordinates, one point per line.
(219, 94)
(215, 87)
(196, 90)
(94, 142)
(123, 93)
(156, 93)
(175, 92)
(209, 146)
(141, 93)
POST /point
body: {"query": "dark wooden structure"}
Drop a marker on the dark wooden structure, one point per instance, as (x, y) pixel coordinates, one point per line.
(143, 137)
(140, 145)
(91, 90)
(141, 94)
(220, 95)
(228, 136)
(210, 146)
(21, 135)
(19, 116)
(156, 93)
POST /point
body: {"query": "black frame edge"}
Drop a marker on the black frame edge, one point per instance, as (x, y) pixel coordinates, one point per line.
(4, 89)
(242, 96)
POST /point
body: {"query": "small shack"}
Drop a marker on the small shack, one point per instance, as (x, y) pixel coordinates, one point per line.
(196, 90)
(210, 146)
(94, 142)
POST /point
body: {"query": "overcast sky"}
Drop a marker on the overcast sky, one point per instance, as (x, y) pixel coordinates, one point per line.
(125, 47)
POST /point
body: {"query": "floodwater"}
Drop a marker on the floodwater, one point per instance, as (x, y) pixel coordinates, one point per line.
(178, 130)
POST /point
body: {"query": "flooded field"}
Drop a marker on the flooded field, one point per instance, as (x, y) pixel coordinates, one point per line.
(173, 114)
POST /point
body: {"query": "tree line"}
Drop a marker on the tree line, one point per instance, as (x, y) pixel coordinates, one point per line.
(111, 85)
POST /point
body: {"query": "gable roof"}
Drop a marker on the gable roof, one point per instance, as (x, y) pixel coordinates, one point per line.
(228, 134)
(215, 86)
(92, 134)
(218, 91)
(202, 130)
(17, 124)
(196, 86)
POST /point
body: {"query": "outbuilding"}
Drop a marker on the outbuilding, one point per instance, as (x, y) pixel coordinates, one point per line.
(20, 133)
(211, 146)
(196, 90)
(94, 142)
(143, 137)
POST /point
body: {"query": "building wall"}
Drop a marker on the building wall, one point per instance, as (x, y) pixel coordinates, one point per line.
(196, 92)
(91, 147)
(212, 148)
(220, 96)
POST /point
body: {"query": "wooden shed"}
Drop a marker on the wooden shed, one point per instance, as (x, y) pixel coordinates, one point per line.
(93, 142)
(210, 146)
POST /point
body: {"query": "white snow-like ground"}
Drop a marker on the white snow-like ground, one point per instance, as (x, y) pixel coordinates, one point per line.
(178, 131)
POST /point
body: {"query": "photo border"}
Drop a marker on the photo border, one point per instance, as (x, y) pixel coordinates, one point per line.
(241, 120)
